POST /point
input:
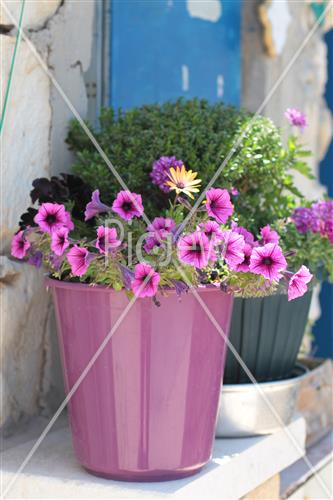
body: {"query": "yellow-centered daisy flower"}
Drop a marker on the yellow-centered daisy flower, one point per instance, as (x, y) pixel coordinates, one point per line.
(183, 181)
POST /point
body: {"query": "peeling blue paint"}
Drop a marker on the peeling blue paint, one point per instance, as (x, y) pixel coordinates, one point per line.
(153, 41)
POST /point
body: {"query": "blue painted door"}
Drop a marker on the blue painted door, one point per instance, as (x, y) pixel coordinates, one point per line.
(163, 49)
(323, 331)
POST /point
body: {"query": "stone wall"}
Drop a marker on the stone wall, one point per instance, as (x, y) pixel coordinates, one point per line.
(32, 145)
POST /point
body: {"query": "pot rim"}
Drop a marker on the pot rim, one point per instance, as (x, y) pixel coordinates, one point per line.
(272, 384)
(55, 283)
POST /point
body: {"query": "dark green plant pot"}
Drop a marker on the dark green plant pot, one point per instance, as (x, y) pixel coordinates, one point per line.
(267, 333)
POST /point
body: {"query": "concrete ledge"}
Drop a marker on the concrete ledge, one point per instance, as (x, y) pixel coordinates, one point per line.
(238, 466)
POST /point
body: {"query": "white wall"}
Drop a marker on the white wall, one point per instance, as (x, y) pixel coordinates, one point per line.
(32, 145)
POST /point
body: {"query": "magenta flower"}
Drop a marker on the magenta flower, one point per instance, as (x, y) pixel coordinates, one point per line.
(248, 237)
(95, 207)
(233, 248)
(244, 266)
(296, 118)
(59, 240)
(161, 223)
(128, 205)
(196, 250)
(152, 241)
(298, 283)
(268, 261)
(20, 245)
(107, 239)
(161, 168)
(69, 223)
(146, 280)
(234, 191)
(52, 216)
(79, 259)
(212, 230)
(218, 204)
(269, 235)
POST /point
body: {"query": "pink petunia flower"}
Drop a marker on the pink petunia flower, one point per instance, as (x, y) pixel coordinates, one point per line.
(248, 237)
(59, 240)
(212, 230)
(268, 261)
(196, 250)
(20, 245)
(69, 223)
(298, 283)
(244, 266)
(268, 235)
(218, 204)
(95, 206)
(128, 205)
(107, 239)
(146, 280)
(234, 191)
(52, 216)
(233, 248)
(296, 118)
(162, 223)
(79, 259)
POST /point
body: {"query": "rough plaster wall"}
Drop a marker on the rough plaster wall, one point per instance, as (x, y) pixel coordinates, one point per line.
(32, 146)
(303, 87)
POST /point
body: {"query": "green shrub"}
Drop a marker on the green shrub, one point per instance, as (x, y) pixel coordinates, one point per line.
(200, 134)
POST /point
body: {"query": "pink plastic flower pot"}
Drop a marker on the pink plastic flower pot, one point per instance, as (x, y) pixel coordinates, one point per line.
(146, 410)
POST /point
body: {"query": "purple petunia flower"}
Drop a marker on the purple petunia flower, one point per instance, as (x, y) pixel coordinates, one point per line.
(36, 259)
(196, 250)
(212, 230)
(19, 245)
(128, 205)
(180, 287)
(79, 259)
(146, 280)
(268, 235)
(268, 261)
(248, 237)
(95, 207)
(127, 275)
(159, 231)
(160, 170)
(233, 248)
(234, 191)
(52, 216)
(296, 118)
(59, 240)
(107, 239)
(152, 241)
(298, 283)
(167, 224)
(244, 266)
(218, 204)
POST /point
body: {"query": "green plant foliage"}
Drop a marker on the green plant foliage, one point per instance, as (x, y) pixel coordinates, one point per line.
(202, 135)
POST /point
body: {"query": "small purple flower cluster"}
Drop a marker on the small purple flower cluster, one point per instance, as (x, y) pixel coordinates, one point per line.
(318, 219)
(296, 118)
(161, 168)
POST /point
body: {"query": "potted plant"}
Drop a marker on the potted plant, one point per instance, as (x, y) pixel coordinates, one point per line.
(127, 288)
(259, 179)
